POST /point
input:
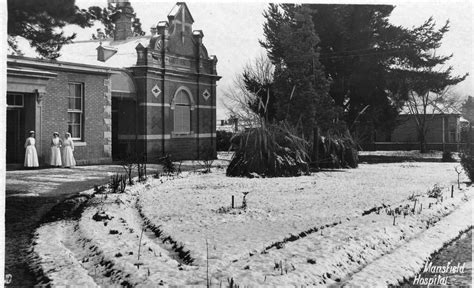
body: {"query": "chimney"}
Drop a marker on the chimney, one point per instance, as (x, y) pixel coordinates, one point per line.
(153, 30)
(123, 20)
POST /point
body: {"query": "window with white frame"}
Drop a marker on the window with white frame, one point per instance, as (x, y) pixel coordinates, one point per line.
(75, 110)
(182, 113)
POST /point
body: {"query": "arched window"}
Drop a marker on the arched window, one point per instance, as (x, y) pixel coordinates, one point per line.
(182, 112)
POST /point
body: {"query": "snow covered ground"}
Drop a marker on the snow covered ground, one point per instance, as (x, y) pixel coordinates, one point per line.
(327, 228)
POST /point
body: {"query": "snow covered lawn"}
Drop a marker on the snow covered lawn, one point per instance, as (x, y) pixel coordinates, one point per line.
(314, 230)
(188, 208)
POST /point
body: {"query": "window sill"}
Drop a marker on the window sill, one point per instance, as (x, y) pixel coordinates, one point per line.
(79, 143)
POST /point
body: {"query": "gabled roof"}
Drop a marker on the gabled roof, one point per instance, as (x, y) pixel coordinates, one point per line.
(85, 52)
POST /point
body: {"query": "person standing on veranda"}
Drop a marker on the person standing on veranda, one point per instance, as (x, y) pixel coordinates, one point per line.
(68, 148)
(56, 144)
(31, 156)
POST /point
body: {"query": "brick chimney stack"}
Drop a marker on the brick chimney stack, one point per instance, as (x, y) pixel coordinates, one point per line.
(122, 19)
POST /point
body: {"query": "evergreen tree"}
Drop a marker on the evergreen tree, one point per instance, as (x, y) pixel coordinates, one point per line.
(40, 22)
(300, 85)
(418, 75)
(357, 42)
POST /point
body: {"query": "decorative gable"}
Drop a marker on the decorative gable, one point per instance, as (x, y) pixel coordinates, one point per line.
(181, 30)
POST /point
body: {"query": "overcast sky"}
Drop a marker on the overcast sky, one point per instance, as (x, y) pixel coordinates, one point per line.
(232, 30)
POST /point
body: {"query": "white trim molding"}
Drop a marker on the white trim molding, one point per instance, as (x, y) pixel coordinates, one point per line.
(164, 136)
(206, 106)
(153, 104)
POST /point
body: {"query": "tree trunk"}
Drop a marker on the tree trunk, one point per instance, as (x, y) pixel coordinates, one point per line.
(422, 143)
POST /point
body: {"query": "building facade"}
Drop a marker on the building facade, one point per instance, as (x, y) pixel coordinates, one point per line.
(443, 133)
(145, 95)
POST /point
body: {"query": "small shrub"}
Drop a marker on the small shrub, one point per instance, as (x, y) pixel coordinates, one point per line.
(337, 150)
(141, 169)
(168, 166)
(270, 150)
(435, 192)
(467, 162)
(99, 189)
(208, 159)
(114, 183)
(447, 156)
(123, 183)
(128, 165)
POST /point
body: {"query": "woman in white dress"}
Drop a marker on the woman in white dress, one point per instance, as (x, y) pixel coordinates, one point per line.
(31, 157)
(55, 151)
(68, 148)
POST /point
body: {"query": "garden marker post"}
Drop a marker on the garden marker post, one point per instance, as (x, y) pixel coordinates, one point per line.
(207, 262)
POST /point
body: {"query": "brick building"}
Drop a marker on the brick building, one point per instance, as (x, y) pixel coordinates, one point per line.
(154, 95)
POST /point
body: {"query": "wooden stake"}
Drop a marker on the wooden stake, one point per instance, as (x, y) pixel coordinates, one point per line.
(232, 201)
(140, 244)
(452, 190)
(394, 216)
(207, 259)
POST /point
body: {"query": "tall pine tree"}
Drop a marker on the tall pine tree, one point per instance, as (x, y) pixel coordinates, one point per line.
(357, 42)
(300, 84)
(419, 77)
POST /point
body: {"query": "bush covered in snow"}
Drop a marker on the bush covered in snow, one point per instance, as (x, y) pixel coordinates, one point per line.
(270, 150)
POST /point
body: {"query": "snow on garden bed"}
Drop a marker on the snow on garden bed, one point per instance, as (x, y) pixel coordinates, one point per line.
(328, 257)
(52, 257)
(303, 230)
(131, 257)
(188, 209)
(405, 262)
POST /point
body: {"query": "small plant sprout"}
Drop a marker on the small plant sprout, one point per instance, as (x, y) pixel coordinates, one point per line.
(128, 165)
(244, 200)
(458, 170)
(414, 206)
(435, 192)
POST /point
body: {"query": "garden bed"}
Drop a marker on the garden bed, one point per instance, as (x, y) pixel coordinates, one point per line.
(310, 230)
